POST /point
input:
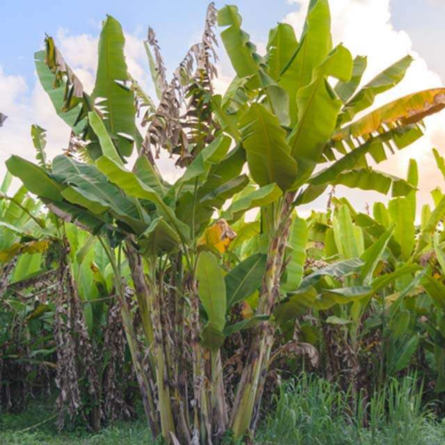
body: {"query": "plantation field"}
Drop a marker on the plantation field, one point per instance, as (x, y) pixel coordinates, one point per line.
(172, 273)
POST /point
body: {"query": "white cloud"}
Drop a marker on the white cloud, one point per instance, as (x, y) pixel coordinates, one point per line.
(365, 27)
(14, 102)
(25, 105)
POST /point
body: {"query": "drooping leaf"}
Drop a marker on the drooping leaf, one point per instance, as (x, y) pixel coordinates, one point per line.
(89, 188)
(345, 90)
(310, 193)
(218, 197)
(148, 174)
(384, 81)
(132, 186)
(277, 97)
(35, 179)
(259, 198)
(230, 167)
(405, 111)
(336, 270)
(76, 215)
(356, 158)
(212, 338)
(159, 237)
(344, 295)
(297, 304)
(370, 179)
(245, 324)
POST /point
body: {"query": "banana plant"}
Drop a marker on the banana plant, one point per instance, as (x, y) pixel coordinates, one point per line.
(395, 246)
(25, 333)
(317, 126)
(259, 147)
(430, 252)
(43, 325)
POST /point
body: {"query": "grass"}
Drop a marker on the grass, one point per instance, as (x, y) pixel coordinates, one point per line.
(315, 412)
(36, 426)
(309, 411)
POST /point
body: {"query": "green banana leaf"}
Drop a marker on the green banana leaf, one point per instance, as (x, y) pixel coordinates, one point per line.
(295, 262)
(159, 238)
(35, 178)
(236, 41)
(281, 46)
(244, 279)
(268, 153)
(315, 45)
(112, 74)
(345, 90)
(259, 198)
(384, 81)
(401, 214)
(212, 293)
(317, 112)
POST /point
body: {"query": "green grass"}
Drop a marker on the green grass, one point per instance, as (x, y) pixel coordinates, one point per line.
(309, 411)
(315, 412)
(36, 426)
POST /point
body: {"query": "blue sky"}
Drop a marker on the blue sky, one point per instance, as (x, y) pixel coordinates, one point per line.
(25, 22)
(424, 22)
(175, 21)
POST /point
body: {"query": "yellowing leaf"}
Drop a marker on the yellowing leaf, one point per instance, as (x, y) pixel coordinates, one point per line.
(246, 310)
(406, 110)
(218, 236)
(31, 247)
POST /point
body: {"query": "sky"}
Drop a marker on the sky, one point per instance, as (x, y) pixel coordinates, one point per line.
(385, 30)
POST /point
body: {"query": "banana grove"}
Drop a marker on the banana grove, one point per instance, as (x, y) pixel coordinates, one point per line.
(214, 291)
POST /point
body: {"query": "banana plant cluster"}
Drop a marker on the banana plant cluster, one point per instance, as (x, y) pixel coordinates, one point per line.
(286, 129)
(20, 326)
(388, 313)
(59, 319)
